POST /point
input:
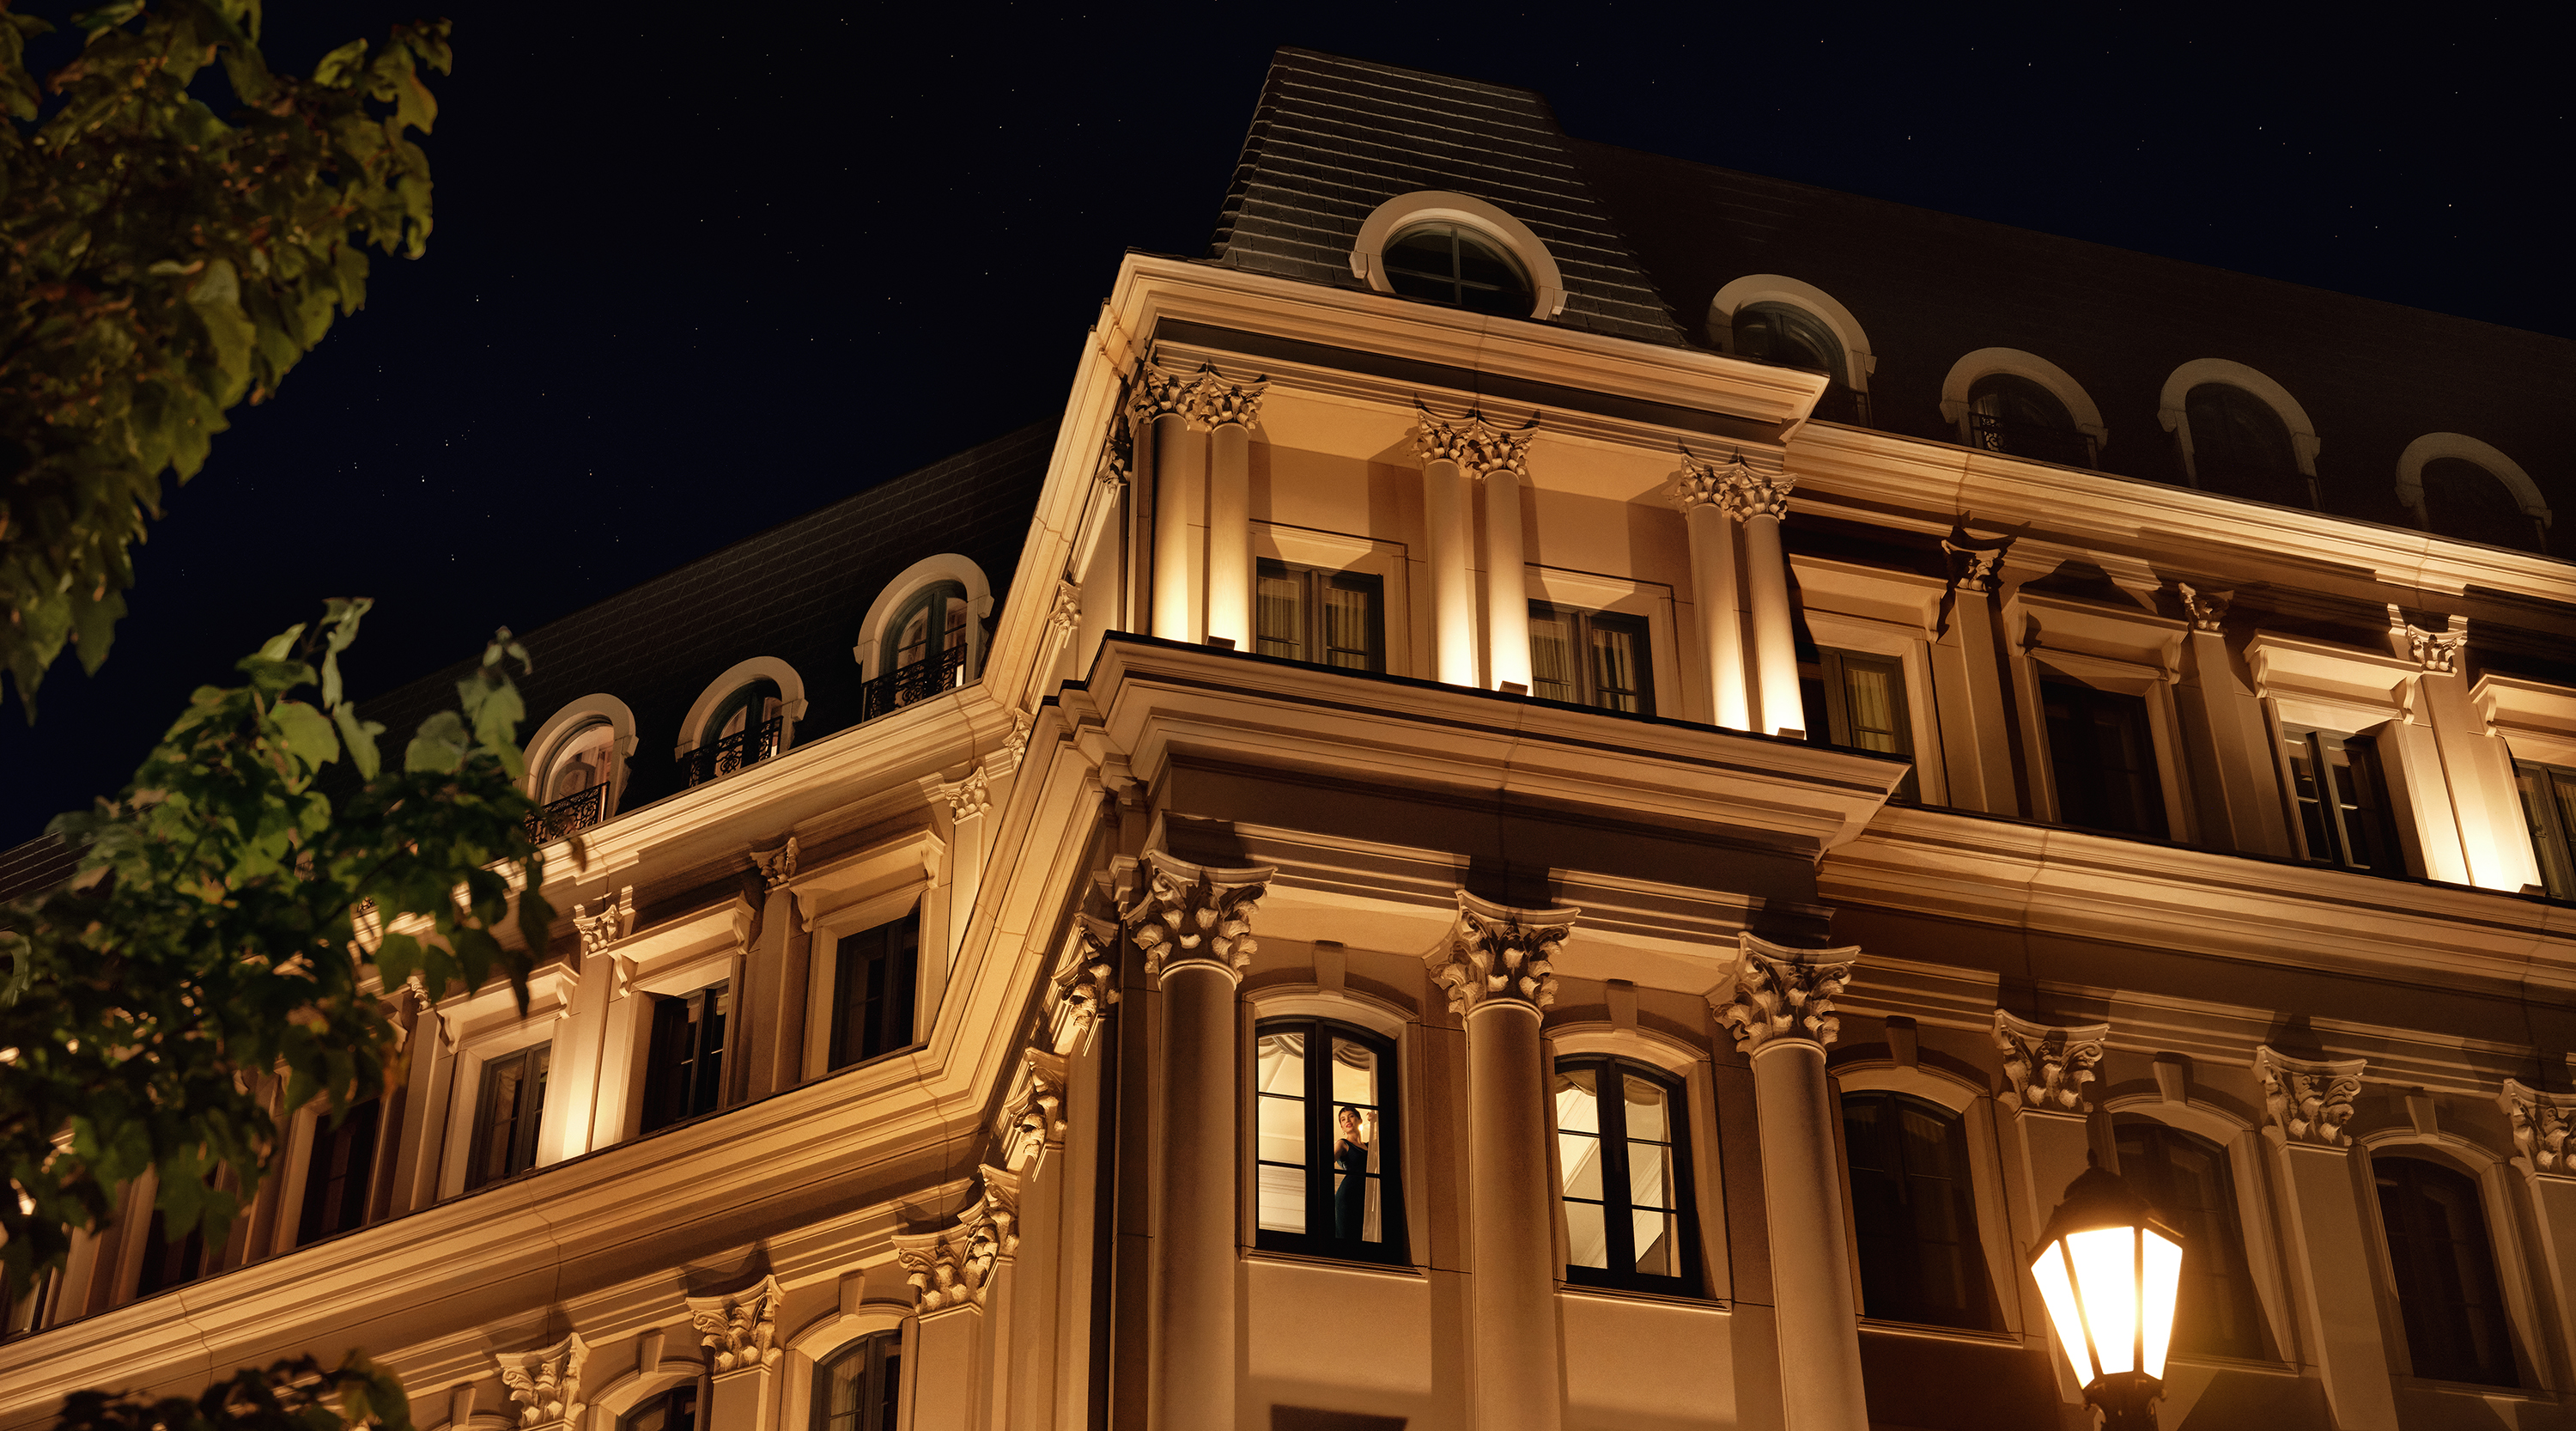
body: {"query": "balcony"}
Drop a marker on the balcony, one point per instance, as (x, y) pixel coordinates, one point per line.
(748, 746)
(2064, 446)
(569, 815)
(921, 680)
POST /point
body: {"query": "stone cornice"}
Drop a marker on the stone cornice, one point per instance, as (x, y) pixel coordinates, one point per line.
(1779, 994)
(2046, 1067)
(2307, 1102)
(1191, 914)
(1500, 955)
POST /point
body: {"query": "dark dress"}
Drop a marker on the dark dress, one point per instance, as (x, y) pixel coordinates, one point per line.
(1350, 1189)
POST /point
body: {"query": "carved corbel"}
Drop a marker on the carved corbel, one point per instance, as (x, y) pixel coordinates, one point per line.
(1499, 955)
(1778, 993)
(1087, 984)
(1067, 612)
(948, 1268)
(969, 798)
(545, 1386)
(1000, 1208)
(2205, 609)
(2542, 1123)
(2047, 1067)
(612, 920)
(739, 1329)
(1189, 914)
(2308, 1102)
(2438, 652)
(777, 866)
(1033, 1120)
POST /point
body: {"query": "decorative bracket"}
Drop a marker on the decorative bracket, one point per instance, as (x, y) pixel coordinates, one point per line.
(2206, 609)
(2438, 652)
(614, 920)
(1497, 954)
(2047, 1067)
(1778, 993)
(777, 866)
(2308, 1102)
(740, 1328)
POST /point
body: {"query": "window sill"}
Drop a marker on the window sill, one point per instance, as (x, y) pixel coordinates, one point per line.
(1925, 1331)
(2477, 1388)
(1403, 1270)
(1640, 1294)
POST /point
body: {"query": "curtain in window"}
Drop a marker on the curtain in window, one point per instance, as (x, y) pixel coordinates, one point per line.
(1552, 673)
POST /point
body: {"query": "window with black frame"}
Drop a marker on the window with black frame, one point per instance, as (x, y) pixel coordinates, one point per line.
(874, 975)
(1857, 701)
(1326, 1156)
(673, 1410)
(2191, 1185)
(336, 1172)
(2011, 414)
(746, 729)
(2462, 499)
(2549, 811)
(1623, 1163)
(1914, 1212)
(2103, 759)
(1456, 265)
(509, 1106)
(684, 1057)
(860, 1388)
(1591, 658)
(1793, 337)
(170, 1262)
(2240, 446)
(2341, 792)
(1332, 618)
(2445, 1271)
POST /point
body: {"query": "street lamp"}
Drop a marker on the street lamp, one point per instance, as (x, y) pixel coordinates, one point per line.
(2108, 1268)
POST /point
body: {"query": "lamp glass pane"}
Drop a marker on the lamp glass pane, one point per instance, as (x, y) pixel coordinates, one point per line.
(2058, 1291)
(2157, 1295)
(2106, 1275)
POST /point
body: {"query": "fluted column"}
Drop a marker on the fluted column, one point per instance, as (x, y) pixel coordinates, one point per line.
(1230, 409)
(1779, 1003)
(1760, 501)
(2544, 1141)
(740, 1334)
(1703, 499)
(1163, 402)
(1195, 928)
(1446, 523)
(2046, 1068)
(2305, 1107)
(1497, 969)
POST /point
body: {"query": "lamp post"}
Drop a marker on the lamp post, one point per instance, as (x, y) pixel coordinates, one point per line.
(2108, 1268)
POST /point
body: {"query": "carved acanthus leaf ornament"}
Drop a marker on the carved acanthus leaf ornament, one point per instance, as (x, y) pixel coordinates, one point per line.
(545, 1386)
(1497, 954)
(2049, 1066)
(1782, 993)
(948, 1268)
(1477, 444)
(2542, 1125)
(1191, 914)
(2308, 1101)
(739, 1329)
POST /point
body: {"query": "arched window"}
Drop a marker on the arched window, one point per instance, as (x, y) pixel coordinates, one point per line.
(580, 779)
(2445, 1272)
(2189, 1181)
(2009, 413)
(1457, 265)
(673, 1410)
(2239, 446)
(1792, 337)
(2464, 500)
(924, 649)
(744, 730)
(1914, 1212)
(858, 1389)
(1624, 1161)
(1327, 1151)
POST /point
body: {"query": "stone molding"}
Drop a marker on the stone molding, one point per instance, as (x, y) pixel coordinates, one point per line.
(2436, 651)
(1190, 914)
(545, 1386)
(614, 920)
(2542, 1125)
(1478, 445)
(2045, 1066)
(1776, 993)
(740, 1328)
(2308, 1102)
(1496, 954)
(777, 866)
(2205, 609)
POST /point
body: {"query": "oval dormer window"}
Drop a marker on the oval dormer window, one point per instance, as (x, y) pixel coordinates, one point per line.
(1453, 264)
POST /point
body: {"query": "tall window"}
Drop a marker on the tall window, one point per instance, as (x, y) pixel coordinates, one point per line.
(1795, 338)
(1326, 1154)
(508, 1108)
(1333, 618)
(169, 1262)
(873, 980)
(1857, 701)
(745, 730)
(2010, 413)
(1622, 1153)
(2103, 758)
(335, 1176)
(2549, 809)
(2464, 500)
(2240, 446)
(684, 1058)
(1914, 1212)
(2342, 795)
(1591, 658)
(2445, 1271)
(673, 1410)
(2188, 1180)
(579, 775)
(1456, 265)
(857, 1390)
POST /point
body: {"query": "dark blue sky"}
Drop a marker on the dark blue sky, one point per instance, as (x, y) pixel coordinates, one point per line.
(693, 276)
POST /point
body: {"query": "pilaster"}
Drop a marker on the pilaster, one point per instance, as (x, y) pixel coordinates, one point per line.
(1496, 458)
(949, 1270)
(1229, 409)
(1703, 497)
(2046, 1071)
(2306, 1104)
(2544, 1141)
(740, 1333)
(1759, 500)
(545, 1386)
(2230, 744)
(1969, 679)
(1163, 402)
(2493, 833)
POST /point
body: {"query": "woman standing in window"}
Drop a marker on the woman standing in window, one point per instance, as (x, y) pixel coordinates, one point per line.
(1351, 1165)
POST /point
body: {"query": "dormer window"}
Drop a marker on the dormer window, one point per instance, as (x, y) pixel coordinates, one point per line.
(1456, 265)
(925, 649)
(580, 774)
(2240, 446)
(2011, 414)
(744, 731)
(1795, 338)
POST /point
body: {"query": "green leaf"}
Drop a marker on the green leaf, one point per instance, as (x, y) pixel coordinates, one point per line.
(341, 64)
(360, 737)
(439, 747)
(308, 733)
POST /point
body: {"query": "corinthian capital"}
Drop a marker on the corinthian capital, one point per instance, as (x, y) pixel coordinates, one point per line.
(1086, 982)
(545, 1386)
(1192, 915)
(1221, 400)
(2435, 651)
(1161, 392)
(1499, 955)
(1033, 1116)
(1479, 446)
(1781, 993)
(1717, 484)
(2047, 1067)
(948, 1268)
(2541, 1125)
(2309, 1102)
(739, 1329)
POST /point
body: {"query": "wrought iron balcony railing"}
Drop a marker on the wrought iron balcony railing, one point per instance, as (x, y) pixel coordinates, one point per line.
(568, 815)
(2024, 439)
(922, 679)
(748, 746)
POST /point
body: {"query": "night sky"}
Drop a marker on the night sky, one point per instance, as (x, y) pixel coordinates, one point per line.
(693, 276)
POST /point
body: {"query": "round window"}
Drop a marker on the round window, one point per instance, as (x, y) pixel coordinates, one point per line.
(1456, 265)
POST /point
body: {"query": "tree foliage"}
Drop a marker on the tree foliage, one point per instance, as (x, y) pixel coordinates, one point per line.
(224, 953)
(293, 1395)
(159, 264)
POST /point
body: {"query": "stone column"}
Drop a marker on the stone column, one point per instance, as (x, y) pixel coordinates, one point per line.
(1164, 401)
(2494, 836)
(1703, 498)
(1759, 503)
(1195, 928)
(1968, 682)
(1779, 1004)
(948, 1270)
(1231, 409)
(545, 1386)
(1033, 1143)
(740, 1333)
(2045, 1070)
(1446, 521)
(1497, 969)
(2544, 1140)
(2305, 1107)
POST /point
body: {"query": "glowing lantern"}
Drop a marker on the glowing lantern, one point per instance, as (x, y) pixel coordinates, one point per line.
(2108, 1269)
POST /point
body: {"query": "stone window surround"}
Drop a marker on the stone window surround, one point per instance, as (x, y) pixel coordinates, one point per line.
(1651, 601)
(1883, 613)
(851, 896)
(487, 1026)
(2537, 721)
(2177, 389)
(869, 651)
(1430, 206)
(833, 1333)
(1361, 1011)
(1388, 561)
(2434, 446)
(636, 1387)
(679, 956)
(1986, 1178)
(2313, 685)
(791, 701)
(2508, 1244)
(2255, 1213)
(1986, 362)
(2133, 652)
(1859, 362)
(1688, 1067)
(541, 745)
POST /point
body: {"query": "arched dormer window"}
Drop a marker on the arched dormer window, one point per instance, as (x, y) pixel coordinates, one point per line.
(577, 765)
(1458, 250)
(1773, 319)
(2239, 433)
(2022, 405)
(745, 716)
(2460, 487)
(924, 634)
